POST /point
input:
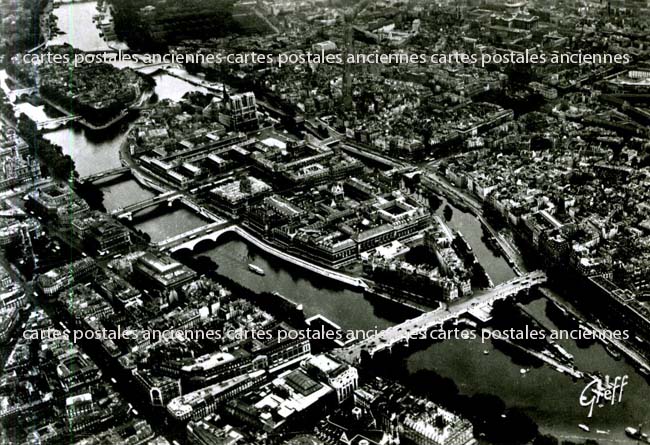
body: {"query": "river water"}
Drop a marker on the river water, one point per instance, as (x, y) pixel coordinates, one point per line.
(495, 265)
(76, 22)
(547, 396)
(550, 398)
(94, 152)
(168, 224)
(124, 193)
(346, 307)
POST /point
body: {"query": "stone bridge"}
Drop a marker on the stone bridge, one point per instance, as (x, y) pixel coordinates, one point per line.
(212, 232)
(128, 211)
(106, 174)
(419, 326)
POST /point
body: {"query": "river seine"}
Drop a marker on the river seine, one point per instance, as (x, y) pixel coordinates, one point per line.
(549, 397)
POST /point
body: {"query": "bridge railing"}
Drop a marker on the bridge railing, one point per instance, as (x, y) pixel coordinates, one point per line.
(147, 203)
(105, 174)
(397, 333)
(208, 230)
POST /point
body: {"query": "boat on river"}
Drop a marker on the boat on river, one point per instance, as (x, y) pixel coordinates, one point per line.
(611, 350)
(256, 269)
(635, 434)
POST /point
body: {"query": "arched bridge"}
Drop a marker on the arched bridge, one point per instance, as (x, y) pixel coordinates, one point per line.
(56, 122)
(106, 174)
(213, 231)
(21, 91)
(128, 211)
(419, 326)
(191, 238)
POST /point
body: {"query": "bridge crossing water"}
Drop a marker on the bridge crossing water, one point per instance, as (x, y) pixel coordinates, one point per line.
(211, 231)
(190, 240)
(21, 91)
(128, 211)
(543, 393)
(56, 122)
(105, 174)
(419, 326)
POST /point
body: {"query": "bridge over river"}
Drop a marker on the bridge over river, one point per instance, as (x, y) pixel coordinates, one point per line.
(418, 327)
(115, 172)
(54, 123)
(128, 211)
(213, 232)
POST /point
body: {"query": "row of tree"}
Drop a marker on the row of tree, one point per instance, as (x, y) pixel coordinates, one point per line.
(50, 156)
(24, 31)
(170, 22)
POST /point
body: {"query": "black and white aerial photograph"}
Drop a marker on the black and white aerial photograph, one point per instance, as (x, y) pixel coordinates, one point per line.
(324, 222)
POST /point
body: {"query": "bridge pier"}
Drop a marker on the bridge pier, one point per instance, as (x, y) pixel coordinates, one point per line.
(114, 173)
(421, 324)
(127, 212)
